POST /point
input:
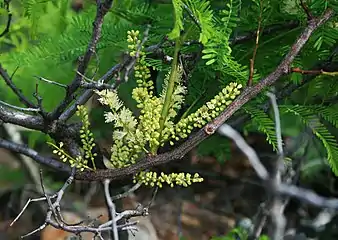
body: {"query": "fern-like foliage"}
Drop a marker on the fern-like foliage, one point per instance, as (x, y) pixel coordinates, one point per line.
(263, 123)
(218, 48)
(309, 117)
(204, 17)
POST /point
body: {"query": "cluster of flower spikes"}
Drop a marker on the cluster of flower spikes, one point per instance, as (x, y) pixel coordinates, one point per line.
(206, 113)
(150, 106)
(153, 179)
(129, 141)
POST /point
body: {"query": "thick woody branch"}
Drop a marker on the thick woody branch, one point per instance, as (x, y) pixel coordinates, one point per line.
(21, 119)
(57, 129)
(195, 139)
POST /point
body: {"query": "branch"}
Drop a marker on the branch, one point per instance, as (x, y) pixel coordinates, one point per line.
(54, 215)
(195, 139)
(306, 10)
(9, 18)
(89, 93)
(111, 208)
(229, 132)
(252, 60)
(50, 162)
(104, 79)
(102, 10)
(277, 209)
(314, 72)
(268, 30)
(17, 91)
(20, 108)
(56, 129)
(22, 119)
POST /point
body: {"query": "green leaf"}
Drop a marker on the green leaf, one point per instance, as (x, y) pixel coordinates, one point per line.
(211, 61)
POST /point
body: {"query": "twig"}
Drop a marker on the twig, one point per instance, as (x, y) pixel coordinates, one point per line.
(26, 205)
(9, 18)
(277, 123)
(20, 108)
(252, 60)
(125, 194)
(308, 196)
(88, 93)
(52, 82)
(102, 10)
(38, 98)
(30, 165)
(57, 165)
(17, 91)
(228, 131)
(316, 72)
(54, 213)
(306, 10)
(277, 209)
(111, 207)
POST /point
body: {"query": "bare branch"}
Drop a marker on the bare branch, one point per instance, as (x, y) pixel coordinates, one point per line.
(111, 207)
(55, 164)
(277, 209)
(20, 108)
(228, 131)
(308, 196)
(54, 216)
(52, 82)
(102, 10)
(125, 194)
(9, 19)
(21, 119)
(306, 10)
(17, 91)
(89, 93)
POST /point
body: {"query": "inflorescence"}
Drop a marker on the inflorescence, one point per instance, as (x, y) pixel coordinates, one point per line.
(134, 138)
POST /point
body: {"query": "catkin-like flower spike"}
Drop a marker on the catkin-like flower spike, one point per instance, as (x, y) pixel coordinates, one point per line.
(172, 179)
(78, 162)
(86, 136)
(207, 112)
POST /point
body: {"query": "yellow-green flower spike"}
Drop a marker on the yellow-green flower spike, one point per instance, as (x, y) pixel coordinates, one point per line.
(207, 112)
(172, 179)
